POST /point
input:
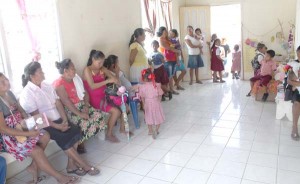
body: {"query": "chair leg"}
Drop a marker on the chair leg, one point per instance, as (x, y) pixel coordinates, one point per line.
(134, 111)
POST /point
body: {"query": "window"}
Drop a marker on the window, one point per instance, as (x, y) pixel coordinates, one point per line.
(28, 27)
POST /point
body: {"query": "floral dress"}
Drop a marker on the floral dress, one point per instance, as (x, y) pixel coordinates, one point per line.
(10, 144)
(97, 119)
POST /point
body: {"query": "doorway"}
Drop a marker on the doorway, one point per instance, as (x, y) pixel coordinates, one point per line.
(226, 23)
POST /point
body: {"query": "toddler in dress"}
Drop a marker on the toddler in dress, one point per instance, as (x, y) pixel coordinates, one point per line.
(151, 93)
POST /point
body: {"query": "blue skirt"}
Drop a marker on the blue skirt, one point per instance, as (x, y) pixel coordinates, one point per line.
(195, 61)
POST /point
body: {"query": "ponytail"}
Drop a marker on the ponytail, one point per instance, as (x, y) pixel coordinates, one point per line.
(94, 54)
(29, 70)
(137, 32)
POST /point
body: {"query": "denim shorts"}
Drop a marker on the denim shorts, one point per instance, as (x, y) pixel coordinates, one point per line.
(170, 67)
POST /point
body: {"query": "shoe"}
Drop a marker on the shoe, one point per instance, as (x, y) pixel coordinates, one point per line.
(175, 93)
(265, 97)
(249, 94)
(180, 88)
(191, 83)
(154, 133)
(222, 81)
(170, 95)
(163, 98)
(237, 77)
(199, 82)
(215, 81)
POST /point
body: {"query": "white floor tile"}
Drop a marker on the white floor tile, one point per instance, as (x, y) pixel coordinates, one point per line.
(185, 147)
(239, 144)
(226, 124)
(132, 150)
(189, 176)
(228, 168)
(152, 154)
(117, 161)
(164, 172)
(224, 132)
(202, 163)
(147, 180)
(165, 144)
(260, 174)
(289, 151)
(263, 159)
(235, 155)
(288, 177)
(216, 141)
(209, 151)
(125, 178)
(289, 163)
(175, 158)
(221, 179)
(139, 166)
(265, 147)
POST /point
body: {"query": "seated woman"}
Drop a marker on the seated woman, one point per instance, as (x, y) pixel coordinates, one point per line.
(70, 89)
(39, 97)
(94, 79)
(11, 114)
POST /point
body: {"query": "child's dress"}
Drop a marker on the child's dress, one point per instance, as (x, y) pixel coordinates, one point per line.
(236, 61)
(154, 114)
(216, 63)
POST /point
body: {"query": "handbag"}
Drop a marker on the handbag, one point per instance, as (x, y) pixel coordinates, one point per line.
(288, 93)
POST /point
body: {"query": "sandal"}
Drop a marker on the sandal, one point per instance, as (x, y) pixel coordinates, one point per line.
(215, 81)
(78, 171)
(93, 171)
(199, 82)
(175, 93)
(72, 180)
(191, 83)
(222, 81)
(180, 88)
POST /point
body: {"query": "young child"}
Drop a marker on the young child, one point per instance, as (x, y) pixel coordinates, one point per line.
(268, 66)
(217, 65)
(150, 93)
(236, 62)
(260, 54)
(199, 36)
(173, 35)
(160, 72)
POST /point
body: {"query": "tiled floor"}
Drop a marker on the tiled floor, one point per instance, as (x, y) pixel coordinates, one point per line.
(213, 134)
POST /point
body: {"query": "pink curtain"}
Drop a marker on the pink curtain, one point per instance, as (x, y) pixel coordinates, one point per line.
(150, 11)
(33, 40)
(166, 9)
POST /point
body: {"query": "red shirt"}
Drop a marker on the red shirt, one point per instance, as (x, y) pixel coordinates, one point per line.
(169, 55)
(69, 87)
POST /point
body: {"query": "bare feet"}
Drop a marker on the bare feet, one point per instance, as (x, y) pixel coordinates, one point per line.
(112, 138)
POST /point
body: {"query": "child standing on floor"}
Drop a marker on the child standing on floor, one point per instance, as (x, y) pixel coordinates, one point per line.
(236, 62)
(151, 93)
(268, 67)
(161, 75)
(217, 65)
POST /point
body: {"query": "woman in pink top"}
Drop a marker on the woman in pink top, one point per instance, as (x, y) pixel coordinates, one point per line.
(94, 79)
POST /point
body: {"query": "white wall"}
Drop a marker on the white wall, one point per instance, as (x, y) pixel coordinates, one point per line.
(258, 16)
(297, 34)
(106, 25)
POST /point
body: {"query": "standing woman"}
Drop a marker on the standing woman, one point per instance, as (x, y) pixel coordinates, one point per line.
(194, 50)
(137, 58)
(170, 56)
(95, 79)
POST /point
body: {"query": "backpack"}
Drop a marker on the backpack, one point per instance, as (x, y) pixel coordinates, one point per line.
(255, 63)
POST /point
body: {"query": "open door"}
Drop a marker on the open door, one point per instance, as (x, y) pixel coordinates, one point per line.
(198, 17)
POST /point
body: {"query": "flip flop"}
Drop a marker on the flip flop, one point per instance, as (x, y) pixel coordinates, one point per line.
(295, 136)
(73, 180)
(78, 171)
(93, 171)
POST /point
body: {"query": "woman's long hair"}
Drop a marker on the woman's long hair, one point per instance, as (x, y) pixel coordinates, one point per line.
(137, 32)
(29, 70)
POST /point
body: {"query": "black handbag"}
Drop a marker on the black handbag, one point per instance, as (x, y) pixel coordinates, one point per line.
(288, 94)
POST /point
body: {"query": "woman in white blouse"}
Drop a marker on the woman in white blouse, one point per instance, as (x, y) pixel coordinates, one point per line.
(195, 61)
(39, 97)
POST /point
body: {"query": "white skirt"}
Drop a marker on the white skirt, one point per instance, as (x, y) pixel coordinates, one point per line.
(136, 73)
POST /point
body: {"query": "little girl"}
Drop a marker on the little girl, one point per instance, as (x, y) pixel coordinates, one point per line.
(199, 36)
(236, 63)
(151, 93)
(216, 61)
